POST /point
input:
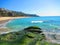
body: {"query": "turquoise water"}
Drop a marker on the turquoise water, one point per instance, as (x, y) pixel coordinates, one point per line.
(47, 24)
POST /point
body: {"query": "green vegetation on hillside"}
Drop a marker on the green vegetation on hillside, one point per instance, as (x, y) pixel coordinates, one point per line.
(8, 13)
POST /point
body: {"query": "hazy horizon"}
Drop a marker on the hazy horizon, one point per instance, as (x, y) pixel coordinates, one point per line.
(39, 7)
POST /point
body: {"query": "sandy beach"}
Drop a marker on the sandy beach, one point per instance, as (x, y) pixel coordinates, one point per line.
(5, 19)
(8, 18)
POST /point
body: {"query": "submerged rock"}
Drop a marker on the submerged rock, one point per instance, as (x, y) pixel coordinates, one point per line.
(33, 29)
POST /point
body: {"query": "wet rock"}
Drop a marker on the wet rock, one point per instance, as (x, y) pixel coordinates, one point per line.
(33, 29)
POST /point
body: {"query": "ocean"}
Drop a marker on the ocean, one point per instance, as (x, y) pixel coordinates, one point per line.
(46, 23)
(49, 25)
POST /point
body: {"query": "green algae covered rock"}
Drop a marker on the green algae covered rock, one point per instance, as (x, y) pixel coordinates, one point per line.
(29, 36)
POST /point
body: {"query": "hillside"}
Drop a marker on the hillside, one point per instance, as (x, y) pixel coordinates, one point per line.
(8, 13)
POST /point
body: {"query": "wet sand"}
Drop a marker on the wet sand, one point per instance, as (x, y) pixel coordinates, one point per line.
(3, 21)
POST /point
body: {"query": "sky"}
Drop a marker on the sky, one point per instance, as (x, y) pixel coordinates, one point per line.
(39, 7)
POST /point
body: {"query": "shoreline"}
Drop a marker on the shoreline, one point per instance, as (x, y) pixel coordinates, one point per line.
(6, 19)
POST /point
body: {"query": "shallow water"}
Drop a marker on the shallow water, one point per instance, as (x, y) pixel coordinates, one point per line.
(47, 24)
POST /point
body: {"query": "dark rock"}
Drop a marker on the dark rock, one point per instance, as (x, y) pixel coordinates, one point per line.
(34, 29)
